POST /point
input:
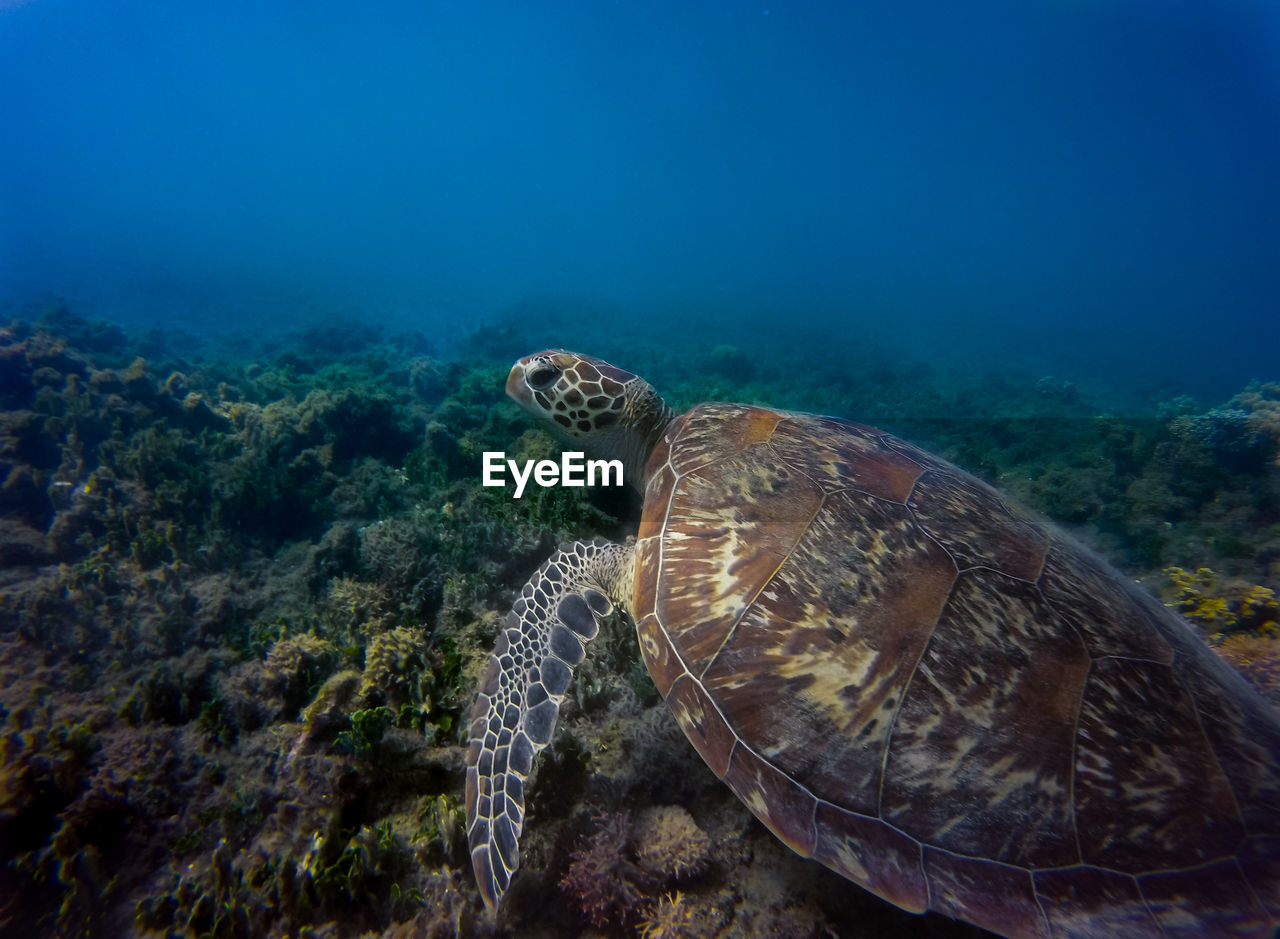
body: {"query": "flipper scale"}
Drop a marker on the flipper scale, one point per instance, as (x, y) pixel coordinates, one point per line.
(541, 640)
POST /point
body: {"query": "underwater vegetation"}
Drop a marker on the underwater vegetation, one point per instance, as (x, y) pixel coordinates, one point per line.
(1225, 607)
(246, 591)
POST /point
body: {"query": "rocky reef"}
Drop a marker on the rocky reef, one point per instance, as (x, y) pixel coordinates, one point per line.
(247, 588)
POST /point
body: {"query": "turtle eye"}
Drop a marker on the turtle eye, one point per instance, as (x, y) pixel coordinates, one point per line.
(543, 377)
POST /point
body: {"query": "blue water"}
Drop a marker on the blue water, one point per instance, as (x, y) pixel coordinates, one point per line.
(1076, 183)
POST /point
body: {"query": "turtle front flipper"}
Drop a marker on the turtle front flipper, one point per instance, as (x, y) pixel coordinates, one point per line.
(541, 641)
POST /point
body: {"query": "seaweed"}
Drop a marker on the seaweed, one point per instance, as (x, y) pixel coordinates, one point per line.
(248, 589)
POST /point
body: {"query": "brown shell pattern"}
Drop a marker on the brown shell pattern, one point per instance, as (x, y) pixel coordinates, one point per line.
(941, 698)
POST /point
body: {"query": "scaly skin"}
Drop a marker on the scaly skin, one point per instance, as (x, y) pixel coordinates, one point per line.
(918, 684)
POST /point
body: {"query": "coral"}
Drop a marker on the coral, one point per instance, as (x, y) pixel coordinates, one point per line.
(404, 555)
(423, 685)
(1257, 657)
(276, 687)
(371, 490)
(215, 541)
(1228, 433)
(299, 662)
(175, 691)
(356, 608)
(1261, 405)
(669, 843)
(306, 864)
(1219, 607)
(331, 705)
(602, 881)
(235, 894)
(391, 665)
(75, 818)
(1197, 599)
(166, 528)
(670, 917)
(281, 468)
(1260, 609)
(42, 766)
(1242, 619)
(430, 379)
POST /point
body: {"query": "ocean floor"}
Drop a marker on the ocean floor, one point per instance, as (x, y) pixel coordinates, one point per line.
(248, 584)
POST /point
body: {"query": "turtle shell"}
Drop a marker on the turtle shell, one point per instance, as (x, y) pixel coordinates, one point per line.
(940, 697)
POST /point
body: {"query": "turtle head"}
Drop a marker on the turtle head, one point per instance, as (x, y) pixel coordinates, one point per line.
(607, 411)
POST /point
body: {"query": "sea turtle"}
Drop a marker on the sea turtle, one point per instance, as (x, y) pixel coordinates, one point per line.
(901, 673)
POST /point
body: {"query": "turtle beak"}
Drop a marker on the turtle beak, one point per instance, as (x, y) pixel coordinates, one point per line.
(517, 388)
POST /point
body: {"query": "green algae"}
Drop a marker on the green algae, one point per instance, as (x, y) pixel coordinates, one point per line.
(215, 549)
